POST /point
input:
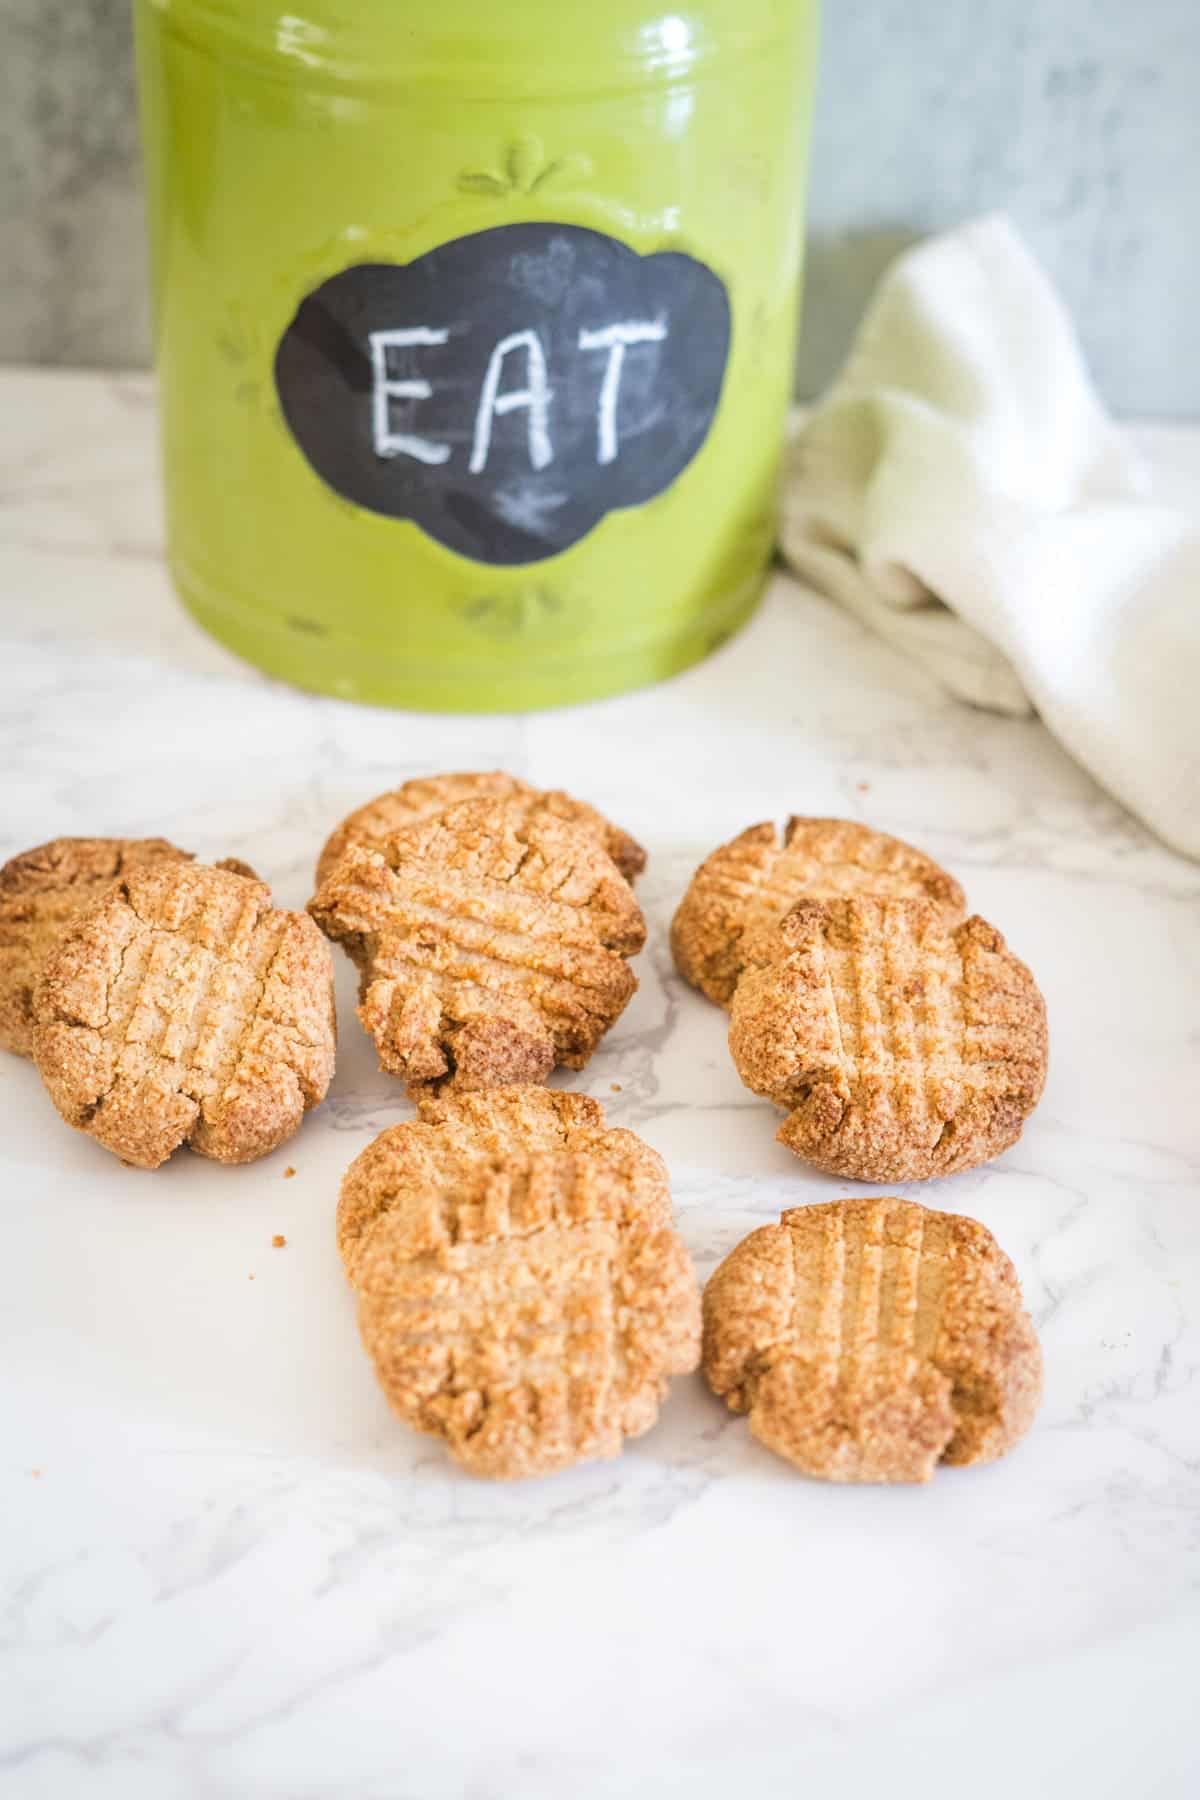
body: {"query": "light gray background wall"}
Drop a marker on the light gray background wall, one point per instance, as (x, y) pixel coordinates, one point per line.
(1082, 117)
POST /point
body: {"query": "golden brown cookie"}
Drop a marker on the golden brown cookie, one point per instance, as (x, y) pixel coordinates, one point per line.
(185, 1008)
(491, 944)
(429, 795)
(528, 1309)
(739, 894)
(428, 1154)
(870, 1340)
(41, 892)
(903, 1048)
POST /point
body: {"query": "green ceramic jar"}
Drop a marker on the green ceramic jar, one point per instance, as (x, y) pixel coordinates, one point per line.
(474, 326)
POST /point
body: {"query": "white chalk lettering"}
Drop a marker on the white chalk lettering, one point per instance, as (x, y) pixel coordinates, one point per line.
(616, 339)
(492, 403)
(388, 387)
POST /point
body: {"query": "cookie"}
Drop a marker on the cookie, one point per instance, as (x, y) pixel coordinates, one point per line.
(739, 894)
(902, 1047)
(870, 1340)
(425, 1155)
(431, 794)
(527, 1309)
(41, 892)
(185, 1008)
(491, 942)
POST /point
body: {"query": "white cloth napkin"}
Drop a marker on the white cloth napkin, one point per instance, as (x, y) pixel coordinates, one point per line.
(962, 491)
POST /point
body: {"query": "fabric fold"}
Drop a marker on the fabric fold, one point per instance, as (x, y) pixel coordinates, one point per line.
(962, 492)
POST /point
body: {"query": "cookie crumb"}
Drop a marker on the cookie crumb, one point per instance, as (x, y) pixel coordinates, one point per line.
(278, 1241)
(288, 1172)
(250, 1277)
(864, 787)
(616, 1086)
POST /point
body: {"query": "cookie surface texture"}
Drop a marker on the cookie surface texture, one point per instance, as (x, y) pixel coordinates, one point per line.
(490, 942)
(901, 1048)
(185, 1008)
(741, 892)
(529, 1310)
(408, 1166)
(428, 795)
(41, 892)
(870, 1340)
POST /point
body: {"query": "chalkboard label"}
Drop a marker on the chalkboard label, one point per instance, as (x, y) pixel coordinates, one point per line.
(508, 389)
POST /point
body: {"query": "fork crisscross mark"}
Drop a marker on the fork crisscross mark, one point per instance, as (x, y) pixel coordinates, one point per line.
(531, 1315)
(463, 931)
(898, 996)
(518, 1310)
(489, 940)
(186, 996)
(869, 1291)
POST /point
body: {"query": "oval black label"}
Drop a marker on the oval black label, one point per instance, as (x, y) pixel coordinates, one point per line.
(508, 389)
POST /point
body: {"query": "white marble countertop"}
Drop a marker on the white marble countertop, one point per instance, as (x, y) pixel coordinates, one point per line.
(229, 1572)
